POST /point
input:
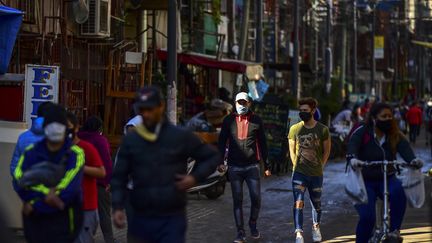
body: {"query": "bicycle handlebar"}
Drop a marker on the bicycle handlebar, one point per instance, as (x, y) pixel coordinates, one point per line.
(382, 162)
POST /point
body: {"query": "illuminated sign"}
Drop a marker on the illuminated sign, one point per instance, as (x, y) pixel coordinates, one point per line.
(41, 85)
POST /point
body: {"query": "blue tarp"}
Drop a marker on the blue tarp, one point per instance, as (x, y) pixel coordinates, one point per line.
(10, 22)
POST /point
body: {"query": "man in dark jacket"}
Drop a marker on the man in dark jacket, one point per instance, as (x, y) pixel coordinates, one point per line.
(155, 156)
(242, 135)
(51, 213)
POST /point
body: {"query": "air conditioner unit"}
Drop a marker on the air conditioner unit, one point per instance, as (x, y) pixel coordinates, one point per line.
(99, 19)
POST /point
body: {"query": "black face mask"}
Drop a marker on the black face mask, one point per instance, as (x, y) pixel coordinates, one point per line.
(305, 116)
(384, 126)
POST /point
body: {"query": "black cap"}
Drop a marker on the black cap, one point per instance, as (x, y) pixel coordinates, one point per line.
(148, 97)
(55, 113)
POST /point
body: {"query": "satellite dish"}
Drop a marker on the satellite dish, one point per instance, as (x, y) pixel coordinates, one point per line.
(80, 11)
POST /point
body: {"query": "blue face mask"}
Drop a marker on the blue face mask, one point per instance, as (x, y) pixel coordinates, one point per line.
(241, 109)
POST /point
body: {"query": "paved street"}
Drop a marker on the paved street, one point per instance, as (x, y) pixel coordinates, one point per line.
(212, 221)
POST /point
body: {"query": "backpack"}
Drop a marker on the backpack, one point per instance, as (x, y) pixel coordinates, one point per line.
(365, 137)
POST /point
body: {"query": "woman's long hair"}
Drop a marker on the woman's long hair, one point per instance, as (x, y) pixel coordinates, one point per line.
(394, 135)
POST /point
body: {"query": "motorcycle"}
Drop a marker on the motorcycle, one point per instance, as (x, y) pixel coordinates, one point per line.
(203, 125)
(213, 187)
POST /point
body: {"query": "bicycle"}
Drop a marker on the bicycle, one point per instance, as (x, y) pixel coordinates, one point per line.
(382, 233)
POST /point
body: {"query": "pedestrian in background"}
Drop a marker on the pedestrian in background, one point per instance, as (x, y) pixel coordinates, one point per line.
(242, 135)
(414, 118)
(366, 107)
(93, 169)
(31, 136)
(309, 146)
(92, 132)
(155, 155)
(51, 214)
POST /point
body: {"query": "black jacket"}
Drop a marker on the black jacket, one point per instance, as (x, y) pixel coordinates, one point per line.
(364, 146)
(245, 138)
(153, 167)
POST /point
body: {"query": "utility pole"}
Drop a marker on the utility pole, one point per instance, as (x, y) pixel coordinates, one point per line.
(373, 64)
(295, 63)
(172, 62)
(244, 29)
(259, 32)
(343, 59)
(231, 26)
(354, 55)
(328, 53)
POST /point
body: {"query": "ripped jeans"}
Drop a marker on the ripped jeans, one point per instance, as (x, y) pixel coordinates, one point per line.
(313, 184)
(251, 175)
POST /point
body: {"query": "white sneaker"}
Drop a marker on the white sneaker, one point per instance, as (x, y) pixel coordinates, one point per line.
(316, 234)
(299, 237)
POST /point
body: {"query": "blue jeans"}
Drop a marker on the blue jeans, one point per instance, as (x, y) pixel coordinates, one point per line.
(367, 213)
(313, 184)
(237, 175)
(162, 229)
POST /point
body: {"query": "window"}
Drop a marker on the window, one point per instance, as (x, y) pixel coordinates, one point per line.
(28, 7)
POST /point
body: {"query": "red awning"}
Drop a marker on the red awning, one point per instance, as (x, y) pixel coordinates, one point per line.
(209, 61)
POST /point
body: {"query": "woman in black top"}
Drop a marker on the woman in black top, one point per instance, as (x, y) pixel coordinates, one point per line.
(379, 139)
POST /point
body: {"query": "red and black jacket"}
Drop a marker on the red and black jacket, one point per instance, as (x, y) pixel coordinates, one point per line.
(244, 137)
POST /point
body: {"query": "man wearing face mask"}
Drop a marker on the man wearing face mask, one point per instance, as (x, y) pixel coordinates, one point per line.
(380, 139)
(52, 214)
(243, 136)
(155, 156)
(309, 146)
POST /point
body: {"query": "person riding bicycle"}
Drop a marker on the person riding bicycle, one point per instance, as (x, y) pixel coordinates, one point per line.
(380, 139)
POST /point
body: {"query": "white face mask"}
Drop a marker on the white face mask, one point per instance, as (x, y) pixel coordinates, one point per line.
(241, 109)
(55, 132)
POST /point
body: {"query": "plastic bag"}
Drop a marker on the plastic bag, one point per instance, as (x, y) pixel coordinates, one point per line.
(413, 184)
(355, 186)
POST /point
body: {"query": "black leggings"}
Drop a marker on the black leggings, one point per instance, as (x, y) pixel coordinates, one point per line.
(250, 174)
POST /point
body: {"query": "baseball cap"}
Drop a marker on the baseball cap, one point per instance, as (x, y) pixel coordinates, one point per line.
(148, 97)
(242, 96)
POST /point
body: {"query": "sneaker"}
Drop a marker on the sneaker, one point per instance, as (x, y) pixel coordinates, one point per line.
(241, 237)
(299, 237)
(254, 231)
(316, 234)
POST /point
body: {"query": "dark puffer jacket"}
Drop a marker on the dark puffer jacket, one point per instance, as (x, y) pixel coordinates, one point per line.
(153, 167)
(364, 146)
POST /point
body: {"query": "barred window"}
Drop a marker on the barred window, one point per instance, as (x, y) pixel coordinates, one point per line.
(28, 7)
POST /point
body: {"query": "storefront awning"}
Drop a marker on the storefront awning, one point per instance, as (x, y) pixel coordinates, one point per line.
(250, 69)
(10, 22)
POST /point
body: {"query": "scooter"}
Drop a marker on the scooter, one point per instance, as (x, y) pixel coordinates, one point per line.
(213, 187)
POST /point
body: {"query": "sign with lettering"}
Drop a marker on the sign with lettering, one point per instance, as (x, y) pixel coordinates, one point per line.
(275, 119)
(41, 85)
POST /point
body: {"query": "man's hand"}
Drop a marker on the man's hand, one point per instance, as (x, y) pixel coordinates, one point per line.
(53, 200)
(119, 218)
(267, 173)
(27, 209)
(108, 188)
(222, 168)
(184, 182)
